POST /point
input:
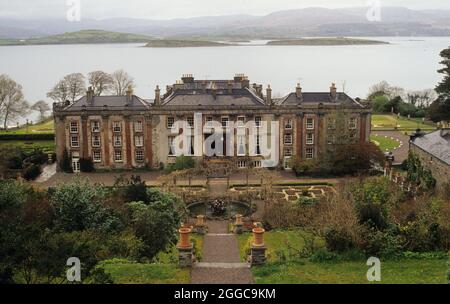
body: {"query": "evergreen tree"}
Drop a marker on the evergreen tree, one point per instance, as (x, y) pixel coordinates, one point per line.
(440, 108)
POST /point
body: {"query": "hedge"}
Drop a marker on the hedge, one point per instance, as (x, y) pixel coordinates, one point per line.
(27, 137)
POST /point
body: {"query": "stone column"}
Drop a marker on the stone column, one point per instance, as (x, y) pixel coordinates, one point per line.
(185, 248)
(238, 224)
(258, 250)
(200, 225)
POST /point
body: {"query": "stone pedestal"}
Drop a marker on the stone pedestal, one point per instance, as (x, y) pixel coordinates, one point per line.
(185, 255)
(258, 255)
(238, 228)
(200, 230)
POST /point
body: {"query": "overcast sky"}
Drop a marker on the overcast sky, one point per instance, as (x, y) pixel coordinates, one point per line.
(168, 9)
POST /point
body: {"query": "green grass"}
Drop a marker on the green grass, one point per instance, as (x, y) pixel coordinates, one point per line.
(124, 272)
(389, 122)
(385, 143)
(404, 271)
(46, 127)
(44, 145)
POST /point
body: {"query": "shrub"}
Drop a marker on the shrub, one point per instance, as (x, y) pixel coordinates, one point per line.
(181, 163)
(30, 137)
(338, 241)
(98, 275)
(307, 200)
(38, 157)
(135, 190)
(31, 172)
(86, 165)
(324, 256)
(65, 163)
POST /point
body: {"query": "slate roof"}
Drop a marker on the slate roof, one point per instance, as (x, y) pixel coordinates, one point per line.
(316, 97)
(435, 144)
(111, 102)
(239, 97)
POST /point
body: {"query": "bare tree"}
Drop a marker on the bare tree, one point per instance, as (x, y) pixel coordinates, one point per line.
(70, 88)
(12, 101)
(421, 99)
(121, 82)
(42, 107)
(101, 82)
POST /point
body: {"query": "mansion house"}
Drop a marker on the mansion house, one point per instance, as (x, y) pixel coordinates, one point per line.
(130, 132)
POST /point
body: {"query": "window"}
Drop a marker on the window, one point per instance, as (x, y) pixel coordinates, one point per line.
(352, 134)
(288, 139)
(170, 122)
(241, 150)
(190, 143)
(309, 138)
(330, 139)
(287, 152)
(117, 155)
(117, 126)
(74, 143)
(258, 143)
(138, 126)
(171, 145)
(209, 121)
(241, 164)
(117, 140)
(257, 164)
(139, 141)
(95, 141)
(287, 163)
(310, 123)
(288, 124)
(95, 126)
(309, 153)
(258, 121)
(225, 121)
(73, 127)
(352, 123)
(190, 122)
(97, 156)
(139, 155)
(241, 121)
(331, 123)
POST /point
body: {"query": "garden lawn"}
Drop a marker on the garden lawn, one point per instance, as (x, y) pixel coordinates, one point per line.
(385, 143)
(124, 272)
(403, 271)
(46, 127)
(48, 146)
(388, 122)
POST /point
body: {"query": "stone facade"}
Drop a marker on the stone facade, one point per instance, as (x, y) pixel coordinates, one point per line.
(129, 132)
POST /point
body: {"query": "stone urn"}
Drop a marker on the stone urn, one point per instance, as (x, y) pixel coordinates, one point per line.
(184, 237)
(258, 237)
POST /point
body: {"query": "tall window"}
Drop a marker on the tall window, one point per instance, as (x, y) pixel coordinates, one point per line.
(310, 123)
(190, 122)
(74, 143)
(352, 123)
(171, 140)
(117, 126)
(331, 123)
(258, 121)
(190, 143)
(73, 127)
(309, 153)
(241, 121)
(309, 138)
(117, 139)
(139, 155)
(330, 139)
(209, 121)
(288, 152)
(258, 145)
(170, 122)
(225, 121)
(288, 139)
(241, 150)
(97, 156)
(288, 124)
(96, 141)
(95, 126)
(138, 126)
(117, 155)
(139, 141)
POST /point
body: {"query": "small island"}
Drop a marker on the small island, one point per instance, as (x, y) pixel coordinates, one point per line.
(80, 37)
(326, 41)
(168, 43)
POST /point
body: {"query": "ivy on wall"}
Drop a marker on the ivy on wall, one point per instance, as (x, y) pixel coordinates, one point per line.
(418, 174)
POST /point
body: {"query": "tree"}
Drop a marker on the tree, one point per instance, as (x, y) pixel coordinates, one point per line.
(12, 101)
(121, 82)
(42, 107)
(440, 108)
(70, 88)
(100, 82)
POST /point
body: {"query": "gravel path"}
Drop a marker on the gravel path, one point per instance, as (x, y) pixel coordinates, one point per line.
(220, 247)
(401, 153)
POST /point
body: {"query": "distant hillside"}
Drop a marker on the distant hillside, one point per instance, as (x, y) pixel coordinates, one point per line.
(182, 43)
(80, 37)
(326, 41)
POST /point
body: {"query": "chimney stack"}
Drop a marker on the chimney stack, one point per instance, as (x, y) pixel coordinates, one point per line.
(298, 91)
(230, 88)
(90, 95)
(268, 95)
(129, 94)
(213, 90)
(333, 92)
(157, 96)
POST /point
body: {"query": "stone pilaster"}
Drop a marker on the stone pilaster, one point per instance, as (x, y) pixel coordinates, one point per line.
(299, 137)
(84, 137)
(128, 142)
(148, 141)
(106, 140)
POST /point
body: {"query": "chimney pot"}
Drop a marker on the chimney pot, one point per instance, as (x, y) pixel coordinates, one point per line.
(90, 95)
(298, 91)
(333, 92)
(157, 96)
(268, 95)
(129, 94)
